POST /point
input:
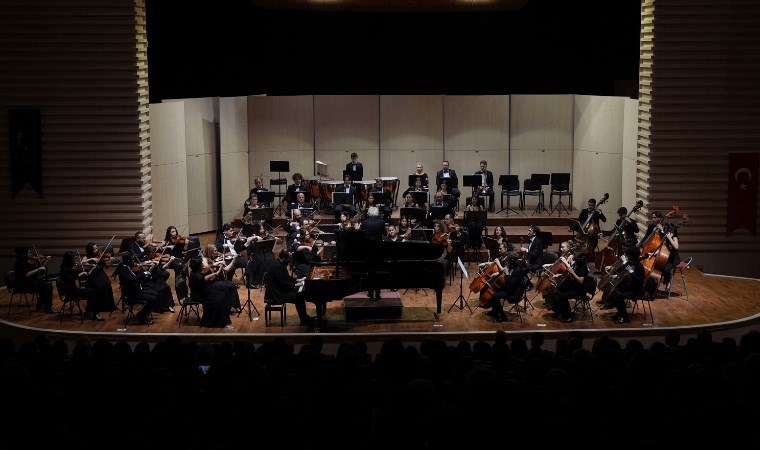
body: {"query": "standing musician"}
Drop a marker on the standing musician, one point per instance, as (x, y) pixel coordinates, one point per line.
(30, 270)
(347, 188)
(577, 282)
(535, 249)
(632, 285)
(293, 190)
(486, 186)
(446, 174)
(355, 167)
(514, 273)
(591, 216)
(226, 245)
(669, 233)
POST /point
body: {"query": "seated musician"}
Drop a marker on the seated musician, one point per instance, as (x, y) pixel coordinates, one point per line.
(383, 205)
(535, 249)
(515, 273)
(134, 280)
(251, 203)
(575, 284)
(448, 175)
(300, 202)
(499, 234)
(632, 286)
(419, 186)
(404, 227)
(393, 235)
(304, 253)
(283, 288)
(346, 188)
(176, 246)
(475, 225)
(486, 187)
(95, 260)
(258, 185)
(71, 273)
(441, 237)
(458, 236)
(294, 227)
(144, 252)
(409, 202)
(217, 296)
(30, 273)
(226, 245)
(385, 211)
(669, 235)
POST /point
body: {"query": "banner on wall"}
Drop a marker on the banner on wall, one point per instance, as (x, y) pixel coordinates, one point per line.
(24, 134)
(742, 192)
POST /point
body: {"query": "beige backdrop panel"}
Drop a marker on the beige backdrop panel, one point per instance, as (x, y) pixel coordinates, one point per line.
(527, 162)
(541, 122)
(476, 122)
(599, 123)
(346, 124)
(411, 122)
(630, 143)
(168, 167)
(200, 128)
(596, 174)
(202, 202)
(233, 130)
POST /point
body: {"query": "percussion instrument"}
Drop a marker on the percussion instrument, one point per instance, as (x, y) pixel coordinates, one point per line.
(327, 189)
(313, 189)
(364, 188)
(391, 184)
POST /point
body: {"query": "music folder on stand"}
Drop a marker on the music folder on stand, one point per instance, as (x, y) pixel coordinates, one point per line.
(462, 302)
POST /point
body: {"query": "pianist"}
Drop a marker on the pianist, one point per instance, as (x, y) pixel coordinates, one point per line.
(283, 288)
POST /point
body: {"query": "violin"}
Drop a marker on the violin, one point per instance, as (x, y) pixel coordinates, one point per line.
(179, 239)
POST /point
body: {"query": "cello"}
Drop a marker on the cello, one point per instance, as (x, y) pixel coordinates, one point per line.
(592, 229)
(614, 248)
(655, 248)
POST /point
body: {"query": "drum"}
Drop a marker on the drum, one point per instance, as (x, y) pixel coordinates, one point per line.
(364, 188)
(313, 189)
(327, 189)
(391, 184)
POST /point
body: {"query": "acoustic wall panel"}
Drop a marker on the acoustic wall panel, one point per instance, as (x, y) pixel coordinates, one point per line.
(233, 131)
(598, 124)
(410, 122)
(476, 122)
(541, 122)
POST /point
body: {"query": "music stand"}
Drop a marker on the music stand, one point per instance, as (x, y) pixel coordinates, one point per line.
(438, 212)
(562, 180)
(265, 214)
(414, 214)
(421, 234)
(492, 245)
(265, 197)
(279, 167)
(540, 179)
(477, 217)
(306, 213)
(343, 198)
(460, 299)
(381, 198)
(420, 198)
(329, 252)
(413, 177)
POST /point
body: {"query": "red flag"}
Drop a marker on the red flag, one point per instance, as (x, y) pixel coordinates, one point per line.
(742, 191)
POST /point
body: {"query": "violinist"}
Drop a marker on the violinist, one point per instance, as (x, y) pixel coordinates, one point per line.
(632, 285)
(441, 237)
(590, 217)
(143, 251)
(305, 252)
(214, 296)
(404, 227)
(29, 271)
(514, 273)
(98, 260)
(669, 234)
(251, 203)
(457, 234)
(344, 222)
(212, 261)
(227, 245)
(176, 245)
(576, 282)
(135, 283)
(70, 273)
(393, 235)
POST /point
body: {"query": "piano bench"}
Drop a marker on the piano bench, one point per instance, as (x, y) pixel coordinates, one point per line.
(269, 307)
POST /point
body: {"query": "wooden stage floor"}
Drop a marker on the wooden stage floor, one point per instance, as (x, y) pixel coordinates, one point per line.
(713, 302)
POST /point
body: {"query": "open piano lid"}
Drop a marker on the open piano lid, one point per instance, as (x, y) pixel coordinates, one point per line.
(352, 246)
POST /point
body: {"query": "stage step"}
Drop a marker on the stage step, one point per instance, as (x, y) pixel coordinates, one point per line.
(359, 306)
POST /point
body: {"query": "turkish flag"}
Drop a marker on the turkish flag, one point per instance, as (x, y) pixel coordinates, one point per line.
(742, 191)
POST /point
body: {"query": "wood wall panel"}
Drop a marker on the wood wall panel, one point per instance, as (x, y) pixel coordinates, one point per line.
(476, 122)
(699, 100)
(630, 142)
(411, 122)
(202, 201)
(233, 142)
(541, 122)
(95, 147)
(598, 124)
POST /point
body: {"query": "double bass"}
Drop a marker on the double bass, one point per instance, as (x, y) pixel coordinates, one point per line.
(592, 229)
(614, 248)
(654, 248)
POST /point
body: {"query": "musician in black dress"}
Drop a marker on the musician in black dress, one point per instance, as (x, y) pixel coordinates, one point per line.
(227, 244)
(669, 234)
(251, 203)
(515, 278)
(30, 272)
(217, 297)
(475, 225)
(95, 261)
(576, 283)
(283, 288)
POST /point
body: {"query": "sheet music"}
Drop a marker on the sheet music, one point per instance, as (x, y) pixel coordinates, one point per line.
(463, 268)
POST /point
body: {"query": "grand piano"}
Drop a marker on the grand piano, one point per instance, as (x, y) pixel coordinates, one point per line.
(363, 265)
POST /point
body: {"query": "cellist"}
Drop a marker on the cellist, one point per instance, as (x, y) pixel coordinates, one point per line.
(669, 235)
(577, 283)
(510, 277)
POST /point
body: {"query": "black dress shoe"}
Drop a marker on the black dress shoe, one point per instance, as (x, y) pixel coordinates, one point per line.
(566, 319)
(309, 321)
(491, 313)
(622, 319)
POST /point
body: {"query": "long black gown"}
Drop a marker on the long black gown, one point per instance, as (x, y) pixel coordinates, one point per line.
(217, 299)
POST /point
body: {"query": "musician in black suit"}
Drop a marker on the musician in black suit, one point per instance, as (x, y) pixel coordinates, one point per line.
(628, 226)
(535, 249)
(226, 245)
(297, 186)
(140, 249)
(300, 202)
(355, 167)
(446, 174)
(283, 288)
(486, 187)
(632, 285)
(669, 234)
(348, 188)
